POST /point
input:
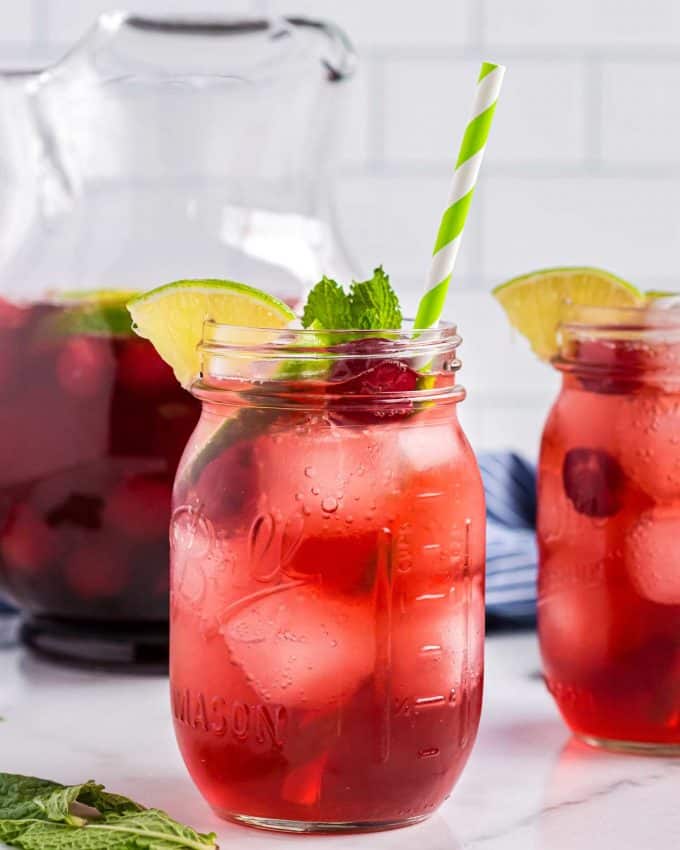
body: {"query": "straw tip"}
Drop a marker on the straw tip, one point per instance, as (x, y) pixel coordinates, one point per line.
(488, 67)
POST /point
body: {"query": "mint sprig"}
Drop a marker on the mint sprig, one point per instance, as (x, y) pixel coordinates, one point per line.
(36, 814)
(369, 305)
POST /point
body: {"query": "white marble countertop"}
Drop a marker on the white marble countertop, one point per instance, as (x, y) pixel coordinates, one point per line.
(527, 786)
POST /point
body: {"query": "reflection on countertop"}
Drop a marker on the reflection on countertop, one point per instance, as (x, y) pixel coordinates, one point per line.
(528, 786)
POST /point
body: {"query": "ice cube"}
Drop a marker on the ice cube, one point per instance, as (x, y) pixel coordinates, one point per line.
(648, 433)
(298, 646)
(576, 620)
(330, 492)
(652, 555)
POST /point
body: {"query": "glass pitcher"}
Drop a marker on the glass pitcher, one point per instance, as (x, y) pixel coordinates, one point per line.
(155, 150)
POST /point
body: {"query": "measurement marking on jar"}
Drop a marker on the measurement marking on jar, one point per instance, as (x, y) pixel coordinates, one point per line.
(426, 702)
(430, 649)
(428, 753)
(435, 494)
(425, 597)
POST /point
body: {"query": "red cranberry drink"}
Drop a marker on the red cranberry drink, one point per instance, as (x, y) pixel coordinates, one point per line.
(93, 425)
(609, 524)
(327, 544)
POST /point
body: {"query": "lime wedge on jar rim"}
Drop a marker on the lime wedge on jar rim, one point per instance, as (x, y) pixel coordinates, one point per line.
(535, 302)
(172, 317)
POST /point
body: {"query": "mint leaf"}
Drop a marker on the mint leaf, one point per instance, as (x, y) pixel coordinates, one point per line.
(370, 305)
(327, 306)
(374, 304)
(20, 795)
(36, 814)
(147, 830)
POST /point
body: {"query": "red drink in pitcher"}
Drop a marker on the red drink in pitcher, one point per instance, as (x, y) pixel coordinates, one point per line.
(92, 425)
(609, 530)
(327, 610)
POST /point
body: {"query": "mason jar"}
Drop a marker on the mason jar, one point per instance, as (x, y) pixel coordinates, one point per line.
(608, 530)
(327, 580)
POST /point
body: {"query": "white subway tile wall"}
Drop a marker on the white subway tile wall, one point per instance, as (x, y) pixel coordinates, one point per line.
(583, 164)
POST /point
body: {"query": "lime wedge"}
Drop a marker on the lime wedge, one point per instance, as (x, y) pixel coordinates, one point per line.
(535, 302)
(172, 317)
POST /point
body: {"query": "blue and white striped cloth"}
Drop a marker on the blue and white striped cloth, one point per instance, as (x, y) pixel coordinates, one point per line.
(511, 555)
(510, 486)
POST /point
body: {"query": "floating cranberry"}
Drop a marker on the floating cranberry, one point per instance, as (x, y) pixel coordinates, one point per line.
(78, 509)
(368, 379)
(593, 481)
(355, 364)
(94, 572)
(139, 507)
(27, 542)
(85, 367)
(142, 371)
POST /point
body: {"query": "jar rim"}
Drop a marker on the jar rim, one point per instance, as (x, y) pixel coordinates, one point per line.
(220, 339)
(658, 319)
(317, 363)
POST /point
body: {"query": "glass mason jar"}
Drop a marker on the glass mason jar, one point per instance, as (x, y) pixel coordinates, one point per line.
(155, 149)
(328, 570)
(608, 530)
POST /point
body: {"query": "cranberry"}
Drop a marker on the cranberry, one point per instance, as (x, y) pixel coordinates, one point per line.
(368, 378)
(593, 481)
(354, 365)
(139, 507)
(79, 509)
(94, 572)
(27, 542)
(142, 371)
(85, 367)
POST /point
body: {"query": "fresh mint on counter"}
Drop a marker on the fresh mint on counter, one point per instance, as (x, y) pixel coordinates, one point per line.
(36, 814)
(369, 305)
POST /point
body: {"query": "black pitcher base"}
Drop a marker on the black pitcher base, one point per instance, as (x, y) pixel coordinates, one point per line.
(122, 647)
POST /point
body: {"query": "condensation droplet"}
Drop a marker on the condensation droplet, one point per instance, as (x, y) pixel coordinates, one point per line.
(306, 511)
(309, 471)
(299, 497)
(315, 491)
(329, 504)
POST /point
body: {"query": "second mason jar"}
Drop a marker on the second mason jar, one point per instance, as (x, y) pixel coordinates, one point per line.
(327, 609)
(608, 530)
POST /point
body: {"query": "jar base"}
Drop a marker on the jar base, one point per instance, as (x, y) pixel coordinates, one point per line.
(300, 826)
(640, 748)
(129, 647)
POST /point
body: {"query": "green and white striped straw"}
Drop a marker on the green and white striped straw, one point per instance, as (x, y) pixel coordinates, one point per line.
(464, 181)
